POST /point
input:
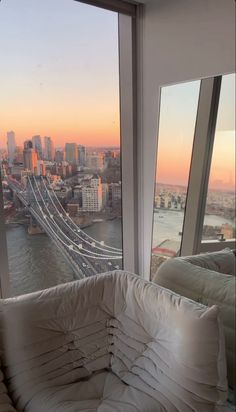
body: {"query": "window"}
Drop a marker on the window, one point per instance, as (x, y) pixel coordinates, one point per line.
(178, 112)
(219, 221)
(60, 145)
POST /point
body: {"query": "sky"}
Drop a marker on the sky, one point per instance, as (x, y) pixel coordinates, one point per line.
(176, 133)
(59, 77)
(59, 72)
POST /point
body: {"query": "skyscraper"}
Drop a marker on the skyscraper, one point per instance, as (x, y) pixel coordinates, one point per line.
(18, 158)
(48, 149)
(41, 168)
(37, 145)
(59, 156)
(71, 153)
(92, 195)
(28, 144)
(30, 157)
(81, 155)
(11, 146)
(95, 161)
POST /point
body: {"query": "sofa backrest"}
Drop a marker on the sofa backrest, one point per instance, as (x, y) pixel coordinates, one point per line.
(153, 339)
(223, 261)
(195, 278)
(166, 344)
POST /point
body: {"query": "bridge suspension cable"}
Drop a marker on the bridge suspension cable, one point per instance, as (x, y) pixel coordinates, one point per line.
(73, 223)
(78, 230)
(70, 247)
(42, 222)
(63, 233)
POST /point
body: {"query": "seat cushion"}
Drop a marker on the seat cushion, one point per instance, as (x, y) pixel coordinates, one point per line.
(5, 401)
(102, 392)
(165, 347)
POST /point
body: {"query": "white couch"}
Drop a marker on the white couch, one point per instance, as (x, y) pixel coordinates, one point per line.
(112, 343)
(210, 279)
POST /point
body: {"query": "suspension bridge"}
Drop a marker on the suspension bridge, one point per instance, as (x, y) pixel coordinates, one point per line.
(86, 255)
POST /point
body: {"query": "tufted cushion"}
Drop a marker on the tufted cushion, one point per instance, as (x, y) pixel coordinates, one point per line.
(104, 392)
(112, 342)
(196, 278)
(5, 402)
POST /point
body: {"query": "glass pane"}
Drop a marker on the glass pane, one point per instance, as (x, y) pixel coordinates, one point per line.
(178, 112)
(60, 141)
(219, 221)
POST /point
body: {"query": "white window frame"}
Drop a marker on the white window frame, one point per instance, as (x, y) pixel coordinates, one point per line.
(204, 139)
(4, 270)
(200, 165)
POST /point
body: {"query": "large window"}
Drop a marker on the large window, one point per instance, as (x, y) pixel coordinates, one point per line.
(219, 221)
(178, 112)
(60, 141)
(195, 168)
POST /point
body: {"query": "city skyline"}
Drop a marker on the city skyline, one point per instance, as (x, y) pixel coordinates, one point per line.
(59, 77)
(55, 79)
(3, 142)
(167, 179)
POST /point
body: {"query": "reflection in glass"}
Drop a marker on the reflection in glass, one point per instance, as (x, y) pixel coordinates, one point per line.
(219, 221)
(178, 112)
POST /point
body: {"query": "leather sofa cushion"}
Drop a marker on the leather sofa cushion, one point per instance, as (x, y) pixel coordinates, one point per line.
(166, 351)
(194, 277)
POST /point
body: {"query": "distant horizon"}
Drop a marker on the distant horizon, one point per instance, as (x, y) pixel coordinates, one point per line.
(59, 72)
(186, 187)
(59, 77)
(109, 146)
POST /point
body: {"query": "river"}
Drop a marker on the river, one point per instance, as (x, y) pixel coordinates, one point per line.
(36, 263)
(167, 224)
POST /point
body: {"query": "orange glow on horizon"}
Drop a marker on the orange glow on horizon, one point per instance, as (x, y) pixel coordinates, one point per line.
(173, 163)
(88, 129)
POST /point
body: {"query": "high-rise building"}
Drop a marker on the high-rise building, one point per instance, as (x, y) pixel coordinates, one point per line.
(48, 149)
(92, 195)
(41, 168)
(105, 194)
(11, 146)
(28, 144)
(30, 157)
(108, 158)
(71, 153)
(115, 189)
(18, 158)
(81, 155)
(95, 161)
(37, 145)
(59, 156)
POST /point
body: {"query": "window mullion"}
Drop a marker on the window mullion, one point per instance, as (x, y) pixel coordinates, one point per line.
(200, 165)
(128, 143)
(4, 271)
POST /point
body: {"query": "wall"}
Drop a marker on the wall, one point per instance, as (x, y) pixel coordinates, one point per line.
(179, 40)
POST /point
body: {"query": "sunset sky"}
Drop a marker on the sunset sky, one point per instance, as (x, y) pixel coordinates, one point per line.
(176, 132)
(59, 77)
(59, 72)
